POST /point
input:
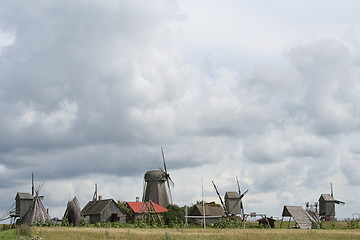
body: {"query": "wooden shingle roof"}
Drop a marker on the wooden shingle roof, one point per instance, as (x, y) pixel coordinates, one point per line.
(327, 198)
(22, 195)
(209, 210)
(300, 216)
(96, 207)
(232, 195)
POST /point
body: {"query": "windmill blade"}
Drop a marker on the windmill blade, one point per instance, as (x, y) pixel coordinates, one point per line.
(237, 180)
(222, 203)
(172, 184)
(170, 196)
(331, 190)
(168, 178)
(169, 181)
(162, 153)
(242, 195)
(144, 190)
(339, 202)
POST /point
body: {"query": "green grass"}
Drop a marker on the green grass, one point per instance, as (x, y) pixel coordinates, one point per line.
(8, 234)
(330, 230)
(60, 233)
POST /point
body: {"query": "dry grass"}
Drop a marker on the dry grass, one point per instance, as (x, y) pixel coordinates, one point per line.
(206, 234)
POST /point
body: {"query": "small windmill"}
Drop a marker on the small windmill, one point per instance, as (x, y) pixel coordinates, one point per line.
(157, 184)
(327, 205)
(233, 201)
(36, 211)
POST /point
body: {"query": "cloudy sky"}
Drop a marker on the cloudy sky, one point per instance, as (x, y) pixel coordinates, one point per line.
(266, 90)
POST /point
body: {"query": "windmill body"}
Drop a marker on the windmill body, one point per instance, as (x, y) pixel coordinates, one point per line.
(327, 205)
(156, 187)
(36, 212)
(233, 203)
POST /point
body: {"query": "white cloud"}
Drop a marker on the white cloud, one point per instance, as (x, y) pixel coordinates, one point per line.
(90, 91)
(56, 122)
(7, 38)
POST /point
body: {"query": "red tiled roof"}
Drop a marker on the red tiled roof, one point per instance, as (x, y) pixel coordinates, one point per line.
(141, 207)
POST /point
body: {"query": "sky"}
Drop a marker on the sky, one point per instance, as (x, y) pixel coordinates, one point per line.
(264, 90)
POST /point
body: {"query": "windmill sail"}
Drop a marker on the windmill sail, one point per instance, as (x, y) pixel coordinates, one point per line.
(168, 178)
(36, 212)
(222, 202)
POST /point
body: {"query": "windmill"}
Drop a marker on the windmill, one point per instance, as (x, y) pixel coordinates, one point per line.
(157, 184)
(233, 201)
(327, 205)
(36, 212)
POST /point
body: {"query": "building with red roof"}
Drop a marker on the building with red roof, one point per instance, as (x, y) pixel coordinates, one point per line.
(142, 209)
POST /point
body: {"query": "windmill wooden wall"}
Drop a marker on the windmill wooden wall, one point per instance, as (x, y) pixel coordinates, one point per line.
(232, 202)
(23, 202)
(326, 205)
(156, 190)
(36, 212)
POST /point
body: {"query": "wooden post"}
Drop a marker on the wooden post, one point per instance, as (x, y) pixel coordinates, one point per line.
(32, 184)
(289, 222)
(203, 203)
(267, 220)
(282, 219)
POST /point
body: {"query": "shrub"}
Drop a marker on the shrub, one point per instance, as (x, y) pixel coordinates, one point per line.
(174, 217)
(353, 224)
(228, 223)
(140, 223)
(126, 210)
(24, 230)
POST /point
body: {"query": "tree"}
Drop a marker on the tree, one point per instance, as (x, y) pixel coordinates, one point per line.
(126, 210)
(174, 217)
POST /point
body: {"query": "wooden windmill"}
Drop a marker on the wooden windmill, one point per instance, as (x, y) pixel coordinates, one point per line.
(327, 205)
(157, 184)
(233, 201)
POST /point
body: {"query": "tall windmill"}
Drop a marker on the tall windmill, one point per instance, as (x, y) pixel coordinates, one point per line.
(157, 184)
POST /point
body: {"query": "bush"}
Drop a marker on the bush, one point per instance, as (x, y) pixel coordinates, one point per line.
(353, 224)
(47, 223)
(140, 223)
(174, 217)
(24, 230)
(228, 223)
(109, 225)
(315, 225)
(126, 210)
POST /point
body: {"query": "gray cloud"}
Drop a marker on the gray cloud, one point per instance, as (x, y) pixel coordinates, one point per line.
(90, 91)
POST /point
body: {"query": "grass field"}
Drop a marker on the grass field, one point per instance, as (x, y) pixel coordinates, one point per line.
(330, 230)
(8, 234)
(59, 233)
